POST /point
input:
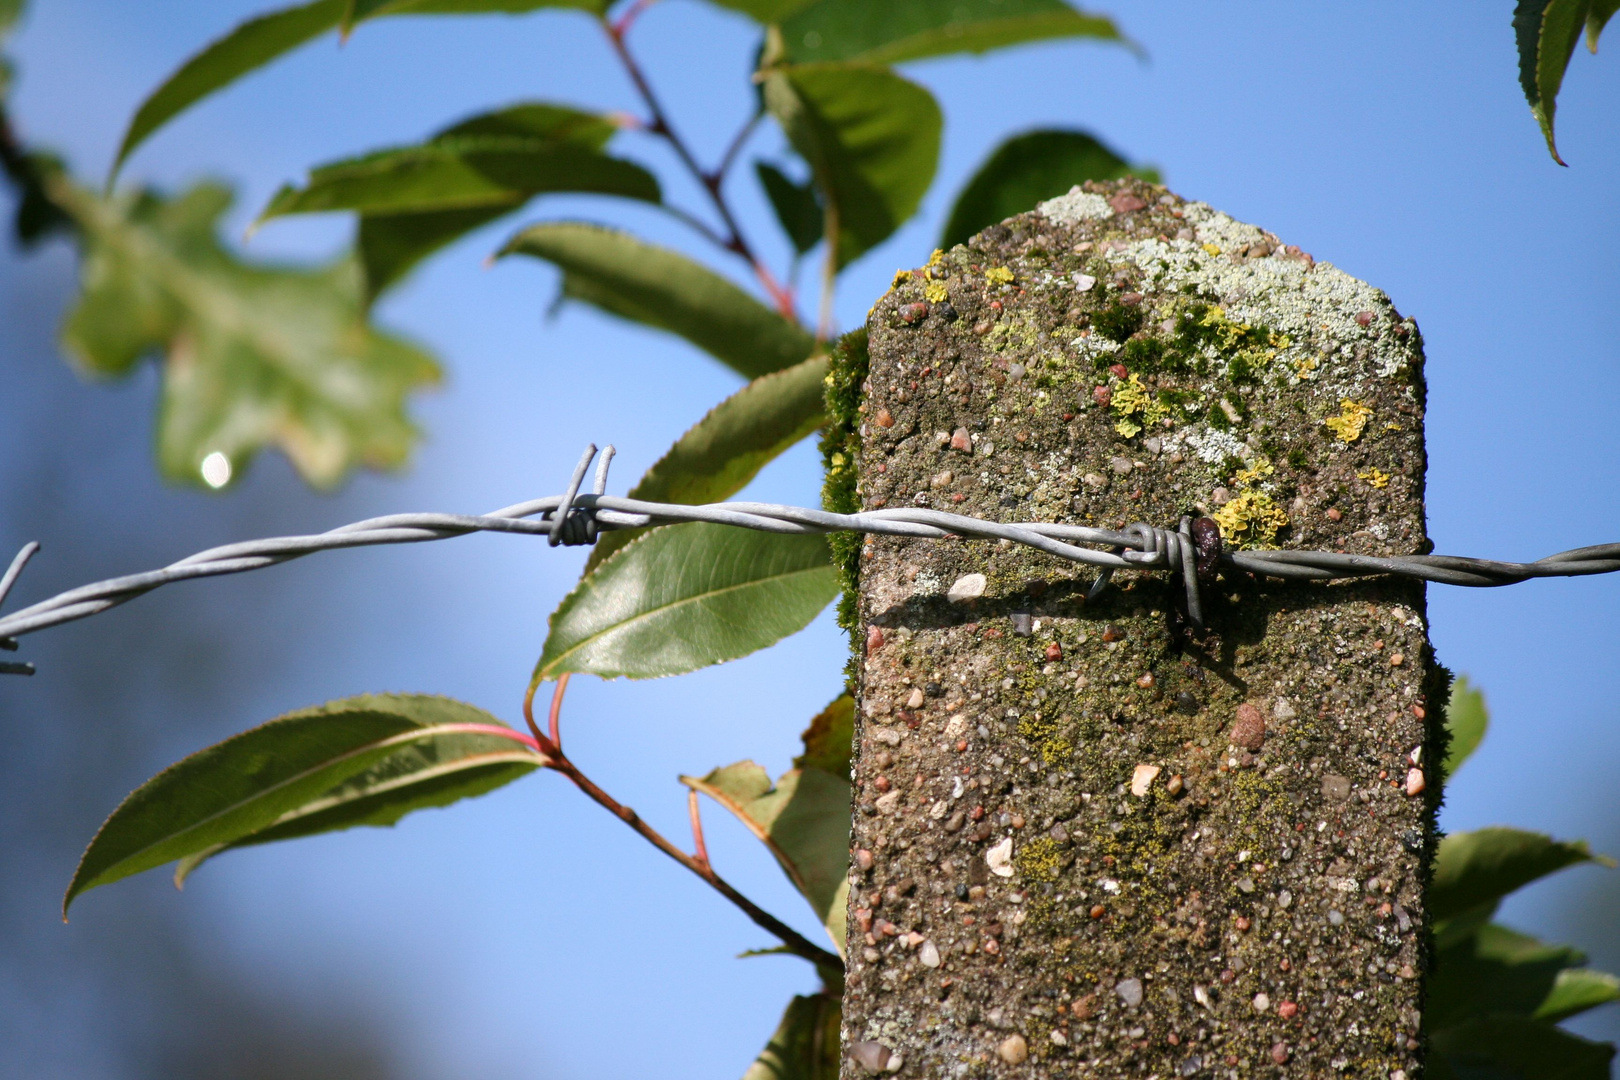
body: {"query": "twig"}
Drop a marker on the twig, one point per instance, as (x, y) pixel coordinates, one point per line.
(700, 850)
(733, 241)
(795, 942)
(737, 142)
(829, 272)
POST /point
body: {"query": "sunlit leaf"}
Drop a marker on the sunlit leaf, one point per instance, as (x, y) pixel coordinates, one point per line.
(1546, 32)
(1031, 168)
(462, 171)
(1517, 1048)
(1474, 868)
(1575, 991)
(764, 11)
(416, 199)
(797, 208)
(658, 287)
(365, 760)
(828, 741)
(263, 38)
(804, 819)
(248, 47)
(1467, 720)
(899, 30)
(253, 355)
(685, 597)
(806, 1044)
(872, 141)
(719, 455)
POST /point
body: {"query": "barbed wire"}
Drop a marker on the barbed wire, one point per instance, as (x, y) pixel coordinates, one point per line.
(1193, 549)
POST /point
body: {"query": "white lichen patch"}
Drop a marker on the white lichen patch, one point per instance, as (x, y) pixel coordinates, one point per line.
(1076, 206)
(1213, 446)
(1315, 305)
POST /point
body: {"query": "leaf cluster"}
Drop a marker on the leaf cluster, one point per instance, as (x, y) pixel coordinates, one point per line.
(1495, 995)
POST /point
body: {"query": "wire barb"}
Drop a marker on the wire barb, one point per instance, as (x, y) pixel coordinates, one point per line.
(1193, 548)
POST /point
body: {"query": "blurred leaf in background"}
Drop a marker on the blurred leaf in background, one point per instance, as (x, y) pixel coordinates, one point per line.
(252, 355)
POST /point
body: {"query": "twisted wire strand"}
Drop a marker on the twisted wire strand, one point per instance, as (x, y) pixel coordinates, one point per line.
(574, 518)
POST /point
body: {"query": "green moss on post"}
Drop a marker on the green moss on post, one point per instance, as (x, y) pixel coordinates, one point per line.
(1102, 845)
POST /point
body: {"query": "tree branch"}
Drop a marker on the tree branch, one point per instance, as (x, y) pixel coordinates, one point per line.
(795, 942)
(733, 240)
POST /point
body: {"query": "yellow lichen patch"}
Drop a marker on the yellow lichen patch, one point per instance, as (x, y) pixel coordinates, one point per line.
(1305, 365)
(1351, 421)
(936, 258)
(1250, 519)
(1040, 860)
(999, 275)
(1213, 249)
(1136, 407)
(1261, 469)
(935, 292)
(1228, 333)
(900, 278)
(1375, 476)
(1045, 733)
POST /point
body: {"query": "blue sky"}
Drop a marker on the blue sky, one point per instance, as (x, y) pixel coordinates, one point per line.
(528, 935)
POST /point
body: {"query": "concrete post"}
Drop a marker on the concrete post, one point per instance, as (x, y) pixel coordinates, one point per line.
(1091, 841)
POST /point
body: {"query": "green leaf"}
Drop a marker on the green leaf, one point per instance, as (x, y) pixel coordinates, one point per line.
(796, 206)
(390, 245)
(764, 12)
(687, 596)
(1031, 168)
(1496, 970)
(250, 46)
(261, 39)
(719, 455)
(1546, 32)
(829, 739)
(1466, 720)
(414, 200)
(10, 13)
(465, 167)
(872, 141)
(361, 10)
(1516, 1048)
(1575, 991)
(803, 819)
(365, 760)
(254, 355)
(658, 287)
(1474, 868)
(1597, 18)
(806, 1044)
(899, 30)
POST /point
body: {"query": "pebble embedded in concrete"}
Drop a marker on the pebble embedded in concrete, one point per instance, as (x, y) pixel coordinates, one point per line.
(967, 588)
(1142, 779)
(999, 858)
(1014, 1050)
(1129, 991)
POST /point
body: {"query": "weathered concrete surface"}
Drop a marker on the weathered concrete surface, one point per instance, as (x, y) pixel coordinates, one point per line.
(1074, 869)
